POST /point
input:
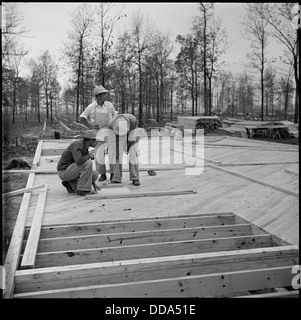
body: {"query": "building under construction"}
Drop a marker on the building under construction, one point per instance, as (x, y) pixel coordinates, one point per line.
(230, 231)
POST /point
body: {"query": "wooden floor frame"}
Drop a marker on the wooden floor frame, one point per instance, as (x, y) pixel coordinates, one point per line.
(207, 255)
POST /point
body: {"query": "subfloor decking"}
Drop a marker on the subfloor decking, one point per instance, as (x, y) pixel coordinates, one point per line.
(255, 182)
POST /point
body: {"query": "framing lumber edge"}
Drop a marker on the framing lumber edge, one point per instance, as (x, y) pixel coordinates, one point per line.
(139, 194)
(37, 156)
(15, 246)
(21, 191)
(295, 194)
(31, 248)
(209, 285)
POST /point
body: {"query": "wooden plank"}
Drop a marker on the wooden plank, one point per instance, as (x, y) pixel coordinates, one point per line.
(229, 146)
(256, 163)
(36, 159)
(15, 246)
(256, 181)
(212, 285)
(153, 268)
(146, 218)
(29, 256)
(63, 258)
(287, 294)
(296, 173)
(45, 171)
(140, 194)
(64, 126)
(21, 191)
(54, 171)
(134, 225)
(141, 237)
(80, 125)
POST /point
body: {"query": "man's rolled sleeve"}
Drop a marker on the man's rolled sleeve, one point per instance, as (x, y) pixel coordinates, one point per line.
(86, 113)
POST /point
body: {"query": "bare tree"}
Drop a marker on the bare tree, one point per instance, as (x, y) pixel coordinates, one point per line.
(141, 36)
(82, 22)
(206, 12)
(105, 24)
(280, 17)
(256, 32)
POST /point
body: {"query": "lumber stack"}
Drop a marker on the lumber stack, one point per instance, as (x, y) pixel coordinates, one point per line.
(212, 255)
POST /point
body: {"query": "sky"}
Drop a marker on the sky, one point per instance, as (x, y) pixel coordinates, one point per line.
(49, 23)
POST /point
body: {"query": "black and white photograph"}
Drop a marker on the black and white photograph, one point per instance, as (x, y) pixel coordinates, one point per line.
(150, 154)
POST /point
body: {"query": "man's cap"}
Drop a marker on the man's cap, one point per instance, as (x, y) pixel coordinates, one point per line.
(99, 90)
(120, 124)
(90, 134)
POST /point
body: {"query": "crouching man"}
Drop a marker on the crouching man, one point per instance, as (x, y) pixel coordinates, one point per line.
(75, 166)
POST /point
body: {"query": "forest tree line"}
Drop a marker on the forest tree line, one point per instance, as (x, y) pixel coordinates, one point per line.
(145, 76)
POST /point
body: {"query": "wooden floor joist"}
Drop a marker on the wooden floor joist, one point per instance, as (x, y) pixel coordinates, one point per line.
(134, 225)
(99, 254)
(211, 285)
(141, 237)
(152, 269)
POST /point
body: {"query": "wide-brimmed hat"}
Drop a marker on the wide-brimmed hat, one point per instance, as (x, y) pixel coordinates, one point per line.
(90, 134)
(99, 90)
(120, 124)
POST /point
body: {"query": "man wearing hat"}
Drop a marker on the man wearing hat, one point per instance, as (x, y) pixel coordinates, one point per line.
(75, 167)
(123, 125)
(97, 115)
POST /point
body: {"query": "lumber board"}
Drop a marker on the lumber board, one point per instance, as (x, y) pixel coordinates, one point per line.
(29, 256)
(257, 163)
(62, 258)
(141, 237)
(64, 126)
(212, 285)
(141, 168)
(45, 171)
(287, 294)
(140, 194)
(256, 181)
(36, 159)
(296, 173)
(153, 268)
(145, 219)
(134, 225)
(80, 125)
(15, 246)
(21, 191)
(228, 146)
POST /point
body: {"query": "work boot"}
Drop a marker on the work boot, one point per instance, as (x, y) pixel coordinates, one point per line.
(68, 186)
(102, 177)
(136, 182)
